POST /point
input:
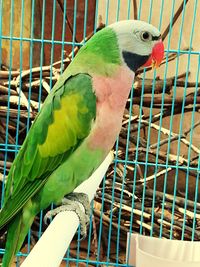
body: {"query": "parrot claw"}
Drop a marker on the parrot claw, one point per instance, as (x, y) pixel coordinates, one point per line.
(82, 198)
(71, 203)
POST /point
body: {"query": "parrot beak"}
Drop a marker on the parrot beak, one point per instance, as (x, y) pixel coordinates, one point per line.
(156, 56)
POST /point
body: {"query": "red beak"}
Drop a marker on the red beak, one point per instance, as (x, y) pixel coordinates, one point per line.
(156, 56)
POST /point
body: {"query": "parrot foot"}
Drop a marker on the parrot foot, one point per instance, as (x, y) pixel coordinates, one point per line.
(82, 198)
(71, 203)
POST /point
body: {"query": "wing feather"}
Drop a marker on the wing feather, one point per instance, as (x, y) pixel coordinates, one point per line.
(63, 122)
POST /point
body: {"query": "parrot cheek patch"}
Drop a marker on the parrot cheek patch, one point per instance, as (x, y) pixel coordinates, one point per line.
(134, 61)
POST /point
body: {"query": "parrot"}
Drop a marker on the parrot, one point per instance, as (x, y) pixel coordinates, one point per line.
(77, 125)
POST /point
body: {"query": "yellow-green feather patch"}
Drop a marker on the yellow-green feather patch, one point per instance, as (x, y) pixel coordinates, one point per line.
(66, 127)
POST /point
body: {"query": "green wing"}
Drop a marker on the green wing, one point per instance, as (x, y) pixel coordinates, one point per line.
(63, 122)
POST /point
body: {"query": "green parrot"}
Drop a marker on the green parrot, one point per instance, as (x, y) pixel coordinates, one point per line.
(77, 125)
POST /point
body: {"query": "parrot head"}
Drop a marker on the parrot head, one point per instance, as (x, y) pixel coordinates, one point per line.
(140, 43)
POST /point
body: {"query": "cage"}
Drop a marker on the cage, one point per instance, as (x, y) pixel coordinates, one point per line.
(152, 186)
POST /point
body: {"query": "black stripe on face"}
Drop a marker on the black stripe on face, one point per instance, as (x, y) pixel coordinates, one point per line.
(156, 38)
(134, 61)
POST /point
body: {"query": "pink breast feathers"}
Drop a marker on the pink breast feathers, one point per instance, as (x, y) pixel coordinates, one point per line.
(112, 93)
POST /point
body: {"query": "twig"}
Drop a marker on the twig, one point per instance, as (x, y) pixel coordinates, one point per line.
(170, 133)
(14, 100)
(178, 200)
(135, 11)
(5, 74)
(157, 101)
(160, 84)
(22, 98)
(107, 219)
(192, 128)
(13, 113)
(5, 90)
(153, 176)
(176, 16)
(66, 19)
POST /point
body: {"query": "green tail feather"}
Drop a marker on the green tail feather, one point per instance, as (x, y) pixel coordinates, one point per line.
(14, 229)
(17, 231)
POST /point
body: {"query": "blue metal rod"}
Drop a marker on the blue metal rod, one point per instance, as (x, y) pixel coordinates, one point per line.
(26, 39)
(148, 140)
(198, 168)
(158, 148)
(63, 35)
(192, 121)
(174, 96)
(168, 145)
(8, 105)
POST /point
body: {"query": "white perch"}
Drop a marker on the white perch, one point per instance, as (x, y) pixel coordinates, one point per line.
(51, 247)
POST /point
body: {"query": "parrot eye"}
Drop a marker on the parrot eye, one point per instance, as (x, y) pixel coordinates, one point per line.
(146, 36)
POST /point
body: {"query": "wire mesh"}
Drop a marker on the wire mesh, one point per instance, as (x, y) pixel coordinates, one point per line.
(175, 169)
